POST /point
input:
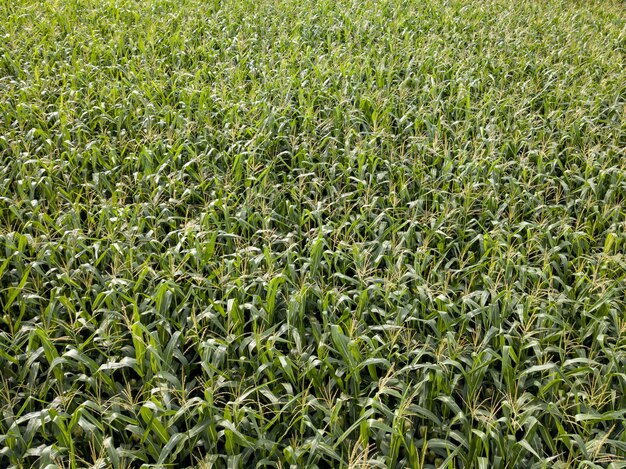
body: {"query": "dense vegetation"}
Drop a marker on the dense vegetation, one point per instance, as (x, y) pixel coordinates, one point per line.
(301, 233)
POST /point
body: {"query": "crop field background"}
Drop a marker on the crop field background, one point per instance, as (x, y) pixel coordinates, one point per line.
(312, 233)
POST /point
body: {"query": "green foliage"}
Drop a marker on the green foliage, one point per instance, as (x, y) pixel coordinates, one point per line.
(312, 233)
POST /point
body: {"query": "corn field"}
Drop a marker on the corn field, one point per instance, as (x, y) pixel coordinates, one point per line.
(312, 234)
